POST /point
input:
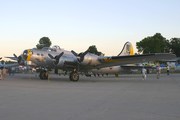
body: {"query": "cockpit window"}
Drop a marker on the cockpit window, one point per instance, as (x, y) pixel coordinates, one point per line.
(38, 54)
(50, 49)
(42, 54)
(56, 47)
(53, 49)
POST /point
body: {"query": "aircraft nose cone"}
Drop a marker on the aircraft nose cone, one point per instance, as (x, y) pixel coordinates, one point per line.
(25, 55)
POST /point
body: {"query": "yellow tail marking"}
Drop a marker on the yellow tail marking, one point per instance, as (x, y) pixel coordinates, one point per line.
(131, 52)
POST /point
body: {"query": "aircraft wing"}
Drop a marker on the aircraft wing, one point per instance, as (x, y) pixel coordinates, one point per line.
(12, 58)
(177, 59)
(9, 65)
(120, 60)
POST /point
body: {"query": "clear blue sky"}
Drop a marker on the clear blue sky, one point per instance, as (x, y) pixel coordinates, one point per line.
(78, 24)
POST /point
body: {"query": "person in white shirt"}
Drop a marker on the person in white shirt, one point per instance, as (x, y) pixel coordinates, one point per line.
(144, 73)
(13, 70)
(25, 69)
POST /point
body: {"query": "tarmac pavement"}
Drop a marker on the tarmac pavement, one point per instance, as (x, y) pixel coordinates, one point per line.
(26, 97)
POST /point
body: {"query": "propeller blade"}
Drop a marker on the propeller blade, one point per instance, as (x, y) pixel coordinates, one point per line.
(19, 58)
(58, 57)
(53, 58)
(83, 54)
(15, 55)
(50, 56)
(74, 53)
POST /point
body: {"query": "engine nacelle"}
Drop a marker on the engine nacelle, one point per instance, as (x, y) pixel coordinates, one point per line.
(90, 59)
(64, 59)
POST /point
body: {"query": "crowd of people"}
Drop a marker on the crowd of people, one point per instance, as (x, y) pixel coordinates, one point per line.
(4, 71)
(11, 70)
(158, 72)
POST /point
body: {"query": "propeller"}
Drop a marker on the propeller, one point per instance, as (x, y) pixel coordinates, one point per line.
(17, 58)
(80, 56)
(15, 55)
(56, 58)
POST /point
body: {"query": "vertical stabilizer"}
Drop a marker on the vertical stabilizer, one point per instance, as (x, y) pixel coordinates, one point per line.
(127, 49)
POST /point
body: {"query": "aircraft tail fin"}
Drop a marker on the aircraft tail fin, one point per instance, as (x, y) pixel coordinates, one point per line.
(127, 49)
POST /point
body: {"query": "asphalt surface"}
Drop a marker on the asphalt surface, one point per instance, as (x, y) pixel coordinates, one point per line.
(26, 97)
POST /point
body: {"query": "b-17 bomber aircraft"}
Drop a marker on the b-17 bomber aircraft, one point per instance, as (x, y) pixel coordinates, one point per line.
(57, 58)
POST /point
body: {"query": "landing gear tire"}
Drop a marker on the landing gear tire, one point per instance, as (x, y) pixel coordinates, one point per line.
(43, 75)
(74, 76)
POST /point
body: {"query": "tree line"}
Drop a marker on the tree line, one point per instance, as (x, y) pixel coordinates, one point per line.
(158, 44)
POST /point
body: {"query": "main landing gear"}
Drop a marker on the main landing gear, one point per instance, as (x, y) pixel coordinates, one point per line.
(44, 75)
(74, 76)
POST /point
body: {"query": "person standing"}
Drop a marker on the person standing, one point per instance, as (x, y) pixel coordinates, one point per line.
(144, 73)
(13, 70)
(25, 70)
(168, 70)
(158, 70)
(4, 72)
(9, 70)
